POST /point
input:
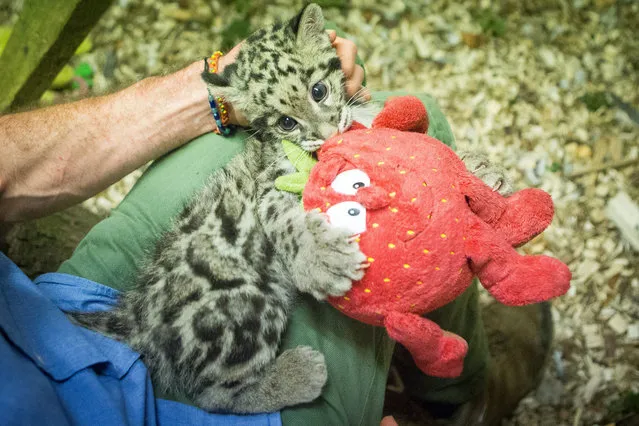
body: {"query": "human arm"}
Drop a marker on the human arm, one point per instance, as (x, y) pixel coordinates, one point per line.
(55, 157)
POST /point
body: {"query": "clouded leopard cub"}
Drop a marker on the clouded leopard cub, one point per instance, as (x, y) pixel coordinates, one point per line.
(211, 305)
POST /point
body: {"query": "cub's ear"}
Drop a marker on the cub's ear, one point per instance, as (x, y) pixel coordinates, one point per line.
(216, 79)
(308, 25)
(220, 83)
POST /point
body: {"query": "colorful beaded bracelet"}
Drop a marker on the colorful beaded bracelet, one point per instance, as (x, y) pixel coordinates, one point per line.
(218, 103)
(220, 114)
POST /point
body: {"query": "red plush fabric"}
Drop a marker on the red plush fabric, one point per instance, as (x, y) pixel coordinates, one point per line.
(430, 226)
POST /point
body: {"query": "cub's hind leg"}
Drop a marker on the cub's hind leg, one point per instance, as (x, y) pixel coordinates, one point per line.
(295, 377)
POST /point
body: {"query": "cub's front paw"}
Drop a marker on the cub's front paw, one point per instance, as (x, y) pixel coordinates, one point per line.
(332, 260)
(493, 175)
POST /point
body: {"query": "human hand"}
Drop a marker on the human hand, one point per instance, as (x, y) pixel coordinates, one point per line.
(354, 73)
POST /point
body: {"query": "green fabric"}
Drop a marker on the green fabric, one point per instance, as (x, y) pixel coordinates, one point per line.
(357, 355)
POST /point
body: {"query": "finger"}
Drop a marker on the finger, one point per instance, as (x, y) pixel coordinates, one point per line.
(388, 421)
(347, 52)
(331, 35)
(354, 83)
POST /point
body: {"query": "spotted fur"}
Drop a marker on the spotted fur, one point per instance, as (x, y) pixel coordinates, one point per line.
(212, 303)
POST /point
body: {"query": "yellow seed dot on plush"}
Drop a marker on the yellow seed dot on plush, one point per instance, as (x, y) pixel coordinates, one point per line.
(402, 172)
(424, 184)
(370, 260)
(340, 306)
(393, 137)
(456, 219)
(388, 148)
(452, 186)
(412, 157)
(386, 280)
(434, 170)
(406, 266)
(464, 238)
(412, 305)
(409, 232)
(323, 188)
(340, 141)
(419, 283)
(391, 245)
(398, 296)
(392, 194)
(368, 132)
(412, 200)
(437, 268)
(357, 240)
(367, 290)
(444, 200)
(328, 204)
(394, 209)
(381, 163)
(443, 235)
(375, 225)
(347, 298)
(429, 216)
(426, 251)
(356, 155)
(452, 252)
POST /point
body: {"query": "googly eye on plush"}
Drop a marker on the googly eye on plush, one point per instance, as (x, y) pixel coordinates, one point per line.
(348, 215)
(319, 91)
(287, 123)
(350, 181)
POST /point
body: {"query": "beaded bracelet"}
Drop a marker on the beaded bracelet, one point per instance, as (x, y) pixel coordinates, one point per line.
(218, 103)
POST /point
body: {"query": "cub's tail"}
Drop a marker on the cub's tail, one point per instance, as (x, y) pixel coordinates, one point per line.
(112, 323)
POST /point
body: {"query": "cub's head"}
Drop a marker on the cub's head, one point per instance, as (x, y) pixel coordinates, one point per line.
(287, 81)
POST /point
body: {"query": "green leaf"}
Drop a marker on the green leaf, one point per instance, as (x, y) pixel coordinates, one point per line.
(236, 31)
(302, 160)
(596, 100)
(294, 183)
(84, 70)
(491, 23)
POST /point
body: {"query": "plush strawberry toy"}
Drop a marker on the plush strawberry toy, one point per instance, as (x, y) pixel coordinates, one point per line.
(427, 226)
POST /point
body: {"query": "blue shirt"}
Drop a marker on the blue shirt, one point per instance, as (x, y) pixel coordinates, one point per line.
(55, 373)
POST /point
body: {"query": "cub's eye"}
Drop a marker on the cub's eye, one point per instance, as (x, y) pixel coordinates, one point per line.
(350, 181)
(287, 123)
(319, 91)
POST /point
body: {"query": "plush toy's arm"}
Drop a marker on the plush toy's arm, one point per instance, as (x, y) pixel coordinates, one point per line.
(483, 201)
(436, 352)
(511, 278)
(519, 217)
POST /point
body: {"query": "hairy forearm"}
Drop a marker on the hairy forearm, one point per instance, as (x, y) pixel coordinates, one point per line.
(55, 157)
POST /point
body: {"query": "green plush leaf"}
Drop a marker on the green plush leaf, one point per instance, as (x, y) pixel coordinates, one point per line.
(302, 160)
(292, 183)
